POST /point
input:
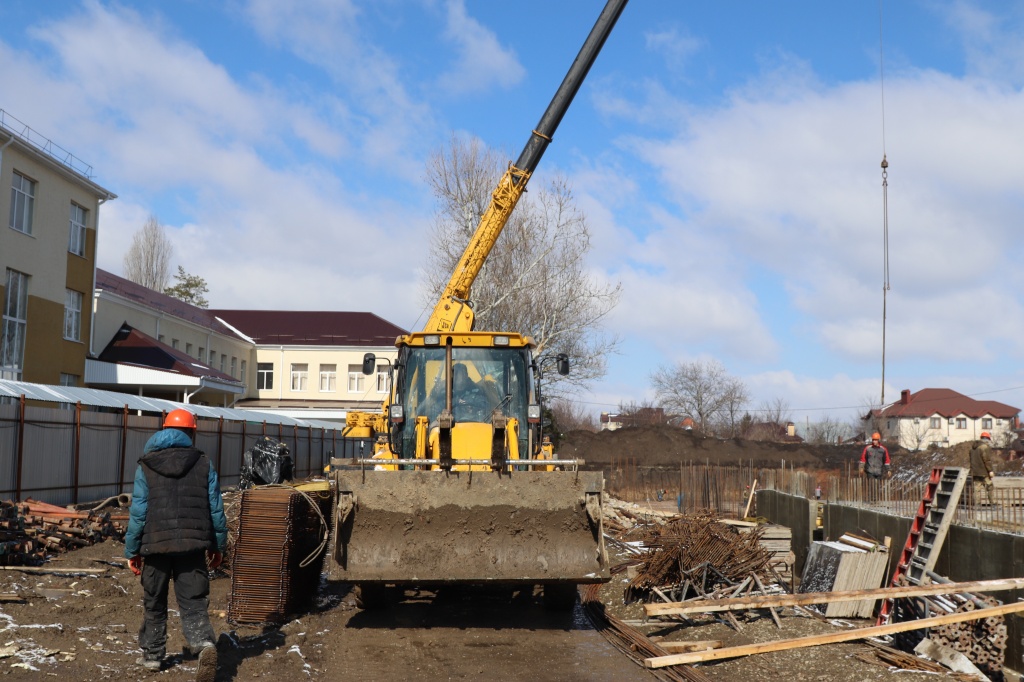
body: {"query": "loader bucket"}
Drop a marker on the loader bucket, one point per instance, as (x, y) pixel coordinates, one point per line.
(432, 527)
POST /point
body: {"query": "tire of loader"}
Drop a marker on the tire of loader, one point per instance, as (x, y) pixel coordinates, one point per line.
(560, 596)
(371, 596)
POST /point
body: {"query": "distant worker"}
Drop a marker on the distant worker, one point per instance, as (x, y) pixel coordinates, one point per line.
(176, 520)
(981, 467)
(874, 460)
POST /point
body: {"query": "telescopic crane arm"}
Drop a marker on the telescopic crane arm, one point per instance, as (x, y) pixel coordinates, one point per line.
(452, 312)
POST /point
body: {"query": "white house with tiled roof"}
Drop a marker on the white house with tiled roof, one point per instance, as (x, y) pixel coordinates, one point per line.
(942, 417)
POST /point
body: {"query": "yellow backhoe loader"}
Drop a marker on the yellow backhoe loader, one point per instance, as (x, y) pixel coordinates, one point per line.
(462, 488)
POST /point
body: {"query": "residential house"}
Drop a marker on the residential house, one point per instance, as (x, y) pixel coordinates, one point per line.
(310, 363)
(47, 257)
(942, 417)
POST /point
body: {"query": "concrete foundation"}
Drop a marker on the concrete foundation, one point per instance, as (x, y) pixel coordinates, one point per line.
(968, 553)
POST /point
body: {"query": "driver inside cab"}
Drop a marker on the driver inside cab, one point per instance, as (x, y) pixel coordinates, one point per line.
(469, 402)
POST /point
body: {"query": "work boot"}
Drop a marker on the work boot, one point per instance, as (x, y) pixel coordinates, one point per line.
(151, 664)
(207, 670)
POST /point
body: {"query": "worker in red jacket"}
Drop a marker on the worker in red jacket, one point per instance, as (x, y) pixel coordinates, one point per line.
(874, 460)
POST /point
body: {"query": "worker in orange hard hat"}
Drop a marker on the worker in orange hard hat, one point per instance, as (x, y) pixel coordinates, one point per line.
(874, 460)
(177, 519)
(981, 468)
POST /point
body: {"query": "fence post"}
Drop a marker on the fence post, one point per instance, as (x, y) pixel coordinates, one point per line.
(241, 450)
(122, 458)
(220, 440)
(78, 449)
(21, 446)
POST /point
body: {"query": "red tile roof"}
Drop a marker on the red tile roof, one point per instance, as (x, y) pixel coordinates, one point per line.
(131, 347)
(312, 328)
(125, 288)
(947, 403)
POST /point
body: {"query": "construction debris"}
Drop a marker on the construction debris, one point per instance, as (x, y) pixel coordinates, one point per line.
(30, 529)
(696, 553)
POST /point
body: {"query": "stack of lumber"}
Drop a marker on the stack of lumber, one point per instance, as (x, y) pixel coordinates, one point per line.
(620, 517)
(852, 563)
(31, 529)
(778, 542)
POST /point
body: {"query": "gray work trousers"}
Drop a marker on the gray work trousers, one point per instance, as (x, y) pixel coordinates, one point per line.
(192, 590)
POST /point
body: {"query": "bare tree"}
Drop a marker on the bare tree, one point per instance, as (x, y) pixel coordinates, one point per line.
(734, 398)
(572, 416)
(535, 280)
(775, 411)
(703, 391)
(827, 431)
(870, 420)
(148, 260)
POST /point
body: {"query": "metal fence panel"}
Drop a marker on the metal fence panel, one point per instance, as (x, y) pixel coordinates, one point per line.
(99, 456)
(47, 469)
(8, 447)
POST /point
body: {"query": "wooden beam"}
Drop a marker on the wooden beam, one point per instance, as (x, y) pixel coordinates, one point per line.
(55, 571)
(776, 600)
(698, 645)
(817, 640)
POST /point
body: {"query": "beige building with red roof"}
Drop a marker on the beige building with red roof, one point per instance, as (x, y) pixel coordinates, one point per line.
(942, 417)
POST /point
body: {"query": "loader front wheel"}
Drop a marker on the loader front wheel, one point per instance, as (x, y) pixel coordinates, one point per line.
(371, 596)
(560, 597)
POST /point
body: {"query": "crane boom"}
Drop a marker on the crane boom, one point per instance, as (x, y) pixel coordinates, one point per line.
(452, 312)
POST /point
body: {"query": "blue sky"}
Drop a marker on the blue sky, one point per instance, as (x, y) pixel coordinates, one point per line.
(726, 155)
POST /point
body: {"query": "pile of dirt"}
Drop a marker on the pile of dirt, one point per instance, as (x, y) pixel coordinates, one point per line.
(668, 446)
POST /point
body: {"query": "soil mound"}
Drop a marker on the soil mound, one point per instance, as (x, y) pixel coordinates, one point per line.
(666, 445)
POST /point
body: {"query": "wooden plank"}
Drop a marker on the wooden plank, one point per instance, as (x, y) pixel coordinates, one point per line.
(817, 640)
(763, 602)
(683, 647)
(55, 571)
(750, 500)
(11, 597)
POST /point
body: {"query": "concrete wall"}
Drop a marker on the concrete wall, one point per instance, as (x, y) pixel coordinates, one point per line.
(796, 513)
(968, 553)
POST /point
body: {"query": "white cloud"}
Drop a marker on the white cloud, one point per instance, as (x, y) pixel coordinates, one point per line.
(482, 62)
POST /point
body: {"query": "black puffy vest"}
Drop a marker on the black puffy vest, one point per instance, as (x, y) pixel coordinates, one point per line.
(178, 517)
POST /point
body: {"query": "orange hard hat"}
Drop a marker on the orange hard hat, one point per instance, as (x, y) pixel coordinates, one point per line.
(986, 434)
(876, 436)
(181, 419)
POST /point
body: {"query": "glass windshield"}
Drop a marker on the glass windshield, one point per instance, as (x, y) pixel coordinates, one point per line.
(483, 379)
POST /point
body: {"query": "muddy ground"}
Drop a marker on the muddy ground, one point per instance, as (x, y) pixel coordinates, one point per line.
(83, 628)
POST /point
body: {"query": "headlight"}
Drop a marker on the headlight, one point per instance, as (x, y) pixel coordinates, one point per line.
(397, 413)
(533, 414)
(432, 340)
(500, 340)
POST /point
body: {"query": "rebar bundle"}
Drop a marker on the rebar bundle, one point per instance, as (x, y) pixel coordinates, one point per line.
(698, 541)
(276, 564)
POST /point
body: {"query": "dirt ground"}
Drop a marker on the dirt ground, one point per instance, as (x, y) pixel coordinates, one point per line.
(83, 628)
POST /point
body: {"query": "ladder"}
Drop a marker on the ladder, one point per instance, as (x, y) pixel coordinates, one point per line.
(927, 530)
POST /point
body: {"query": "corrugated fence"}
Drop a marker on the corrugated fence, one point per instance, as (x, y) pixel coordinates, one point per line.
(66, 456)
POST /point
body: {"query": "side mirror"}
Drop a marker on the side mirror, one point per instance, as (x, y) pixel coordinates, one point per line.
(369, 363)
(563, 364)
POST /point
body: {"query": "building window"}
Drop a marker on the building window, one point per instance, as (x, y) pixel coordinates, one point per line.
(23, 197)
(234, 367)
(68, 380)
(160, 338)
(382, 378)
(188, 349)
(223, 361)
(72, 315)
(76, 238)
(328, 378)
(961, 422)
(264, 376)
(15, 326)
(355, 378)
(936, 422)
(200, 356)
(300, 377)
(242, 375)
(174, 344)
(986, 423)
